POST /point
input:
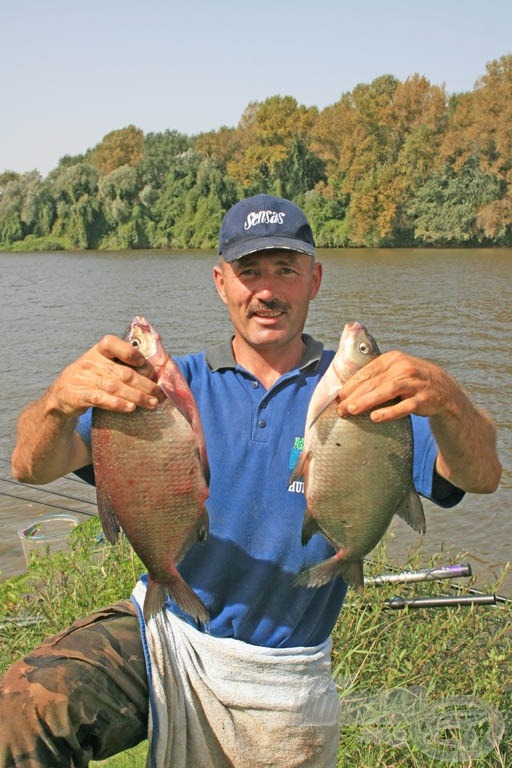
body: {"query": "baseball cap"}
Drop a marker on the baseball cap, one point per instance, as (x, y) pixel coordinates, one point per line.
(261, 223)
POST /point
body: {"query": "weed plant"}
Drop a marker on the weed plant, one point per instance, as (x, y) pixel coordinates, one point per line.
(418, 688)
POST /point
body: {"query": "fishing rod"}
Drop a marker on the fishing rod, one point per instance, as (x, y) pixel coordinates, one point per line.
(47, 490)
(48, 504)
(424, 574)
(430, 574)
(398, 603)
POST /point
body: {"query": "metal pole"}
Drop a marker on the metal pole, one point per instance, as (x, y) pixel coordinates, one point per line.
(425, 574)
(439, 602)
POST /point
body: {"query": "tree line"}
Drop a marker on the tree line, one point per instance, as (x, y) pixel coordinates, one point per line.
(389, 164)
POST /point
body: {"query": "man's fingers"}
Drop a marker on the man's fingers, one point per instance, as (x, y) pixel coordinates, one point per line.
(115, 348)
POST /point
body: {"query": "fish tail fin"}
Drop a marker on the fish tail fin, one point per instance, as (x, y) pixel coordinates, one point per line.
(327, 570)
(178, 589)
(411, 510)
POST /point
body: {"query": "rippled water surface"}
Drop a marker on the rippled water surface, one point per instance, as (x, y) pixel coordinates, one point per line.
(454, 307)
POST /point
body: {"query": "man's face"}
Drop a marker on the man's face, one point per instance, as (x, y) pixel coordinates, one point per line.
(268, 295)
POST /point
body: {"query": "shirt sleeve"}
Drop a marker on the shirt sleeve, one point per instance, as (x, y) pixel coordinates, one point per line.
(426, 479)
(83, 428)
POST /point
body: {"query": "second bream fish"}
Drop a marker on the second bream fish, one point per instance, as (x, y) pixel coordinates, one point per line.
(357, 473)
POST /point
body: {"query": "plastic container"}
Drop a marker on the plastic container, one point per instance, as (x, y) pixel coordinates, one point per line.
(47, 535)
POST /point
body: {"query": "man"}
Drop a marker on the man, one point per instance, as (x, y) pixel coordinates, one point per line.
(244, 692)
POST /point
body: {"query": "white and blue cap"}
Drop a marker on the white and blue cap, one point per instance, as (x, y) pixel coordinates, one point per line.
(261, 223)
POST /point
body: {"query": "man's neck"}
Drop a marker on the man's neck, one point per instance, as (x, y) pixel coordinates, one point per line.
(268, 364)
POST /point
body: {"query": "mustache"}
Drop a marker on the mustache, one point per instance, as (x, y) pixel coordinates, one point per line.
(274, 305)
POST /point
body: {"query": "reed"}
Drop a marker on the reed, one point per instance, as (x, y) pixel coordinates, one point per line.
(419, 688)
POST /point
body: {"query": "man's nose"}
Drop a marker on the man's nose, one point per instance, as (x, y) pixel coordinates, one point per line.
(266, 287)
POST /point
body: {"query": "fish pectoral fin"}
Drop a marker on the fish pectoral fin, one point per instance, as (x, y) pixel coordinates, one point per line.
(203, 460)
(301, 467)
(198, 533)
(309, 528)
(177, 391)
(326, 392)
(315, 415)
(181, 398)
(203, 528)
(411, 510)
(109, 521)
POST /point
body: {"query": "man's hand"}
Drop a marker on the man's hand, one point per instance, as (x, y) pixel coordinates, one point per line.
(418, 385)
(105, 376)
(396, 385)
(109, 375)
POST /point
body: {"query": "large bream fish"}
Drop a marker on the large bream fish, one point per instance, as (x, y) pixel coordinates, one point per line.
(152, 476)
(357, 473)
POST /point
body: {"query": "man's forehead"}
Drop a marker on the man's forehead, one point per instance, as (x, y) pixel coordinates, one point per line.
(277, 255)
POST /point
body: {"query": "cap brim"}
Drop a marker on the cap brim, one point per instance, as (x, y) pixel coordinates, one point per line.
(257, 244)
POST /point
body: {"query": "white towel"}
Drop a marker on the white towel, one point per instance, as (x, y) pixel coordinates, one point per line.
(222, 703)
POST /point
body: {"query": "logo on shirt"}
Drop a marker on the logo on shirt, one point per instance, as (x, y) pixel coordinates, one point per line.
(298, 446)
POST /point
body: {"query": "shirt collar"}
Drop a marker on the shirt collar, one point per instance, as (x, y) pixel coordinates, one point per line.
(220, 355)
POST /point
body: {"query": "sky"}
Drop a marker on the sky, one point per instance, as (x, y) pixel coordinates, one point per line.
(71, 71)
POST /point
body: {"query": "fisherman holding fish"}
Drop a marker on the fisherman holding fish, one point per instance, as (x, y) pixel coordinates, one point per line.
(250, 685)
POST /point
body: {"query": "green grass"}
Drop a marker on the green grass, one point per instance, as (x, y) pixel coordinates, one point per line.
(404, 676)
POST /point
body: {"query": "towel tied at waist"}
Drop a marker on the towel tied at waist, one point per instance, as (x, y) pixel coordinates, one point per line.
(223, 703)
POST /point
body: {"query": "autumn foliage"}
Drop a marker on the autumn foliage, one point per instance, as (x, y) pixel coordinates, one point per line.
(389, 164)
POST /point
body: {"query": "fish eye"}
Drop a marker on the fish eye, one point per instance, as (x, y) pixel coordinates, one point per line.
(364, 348)
(135, 343)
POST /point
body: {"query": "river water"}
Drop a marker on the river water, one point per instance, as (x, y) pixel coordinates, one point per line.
(454, 307)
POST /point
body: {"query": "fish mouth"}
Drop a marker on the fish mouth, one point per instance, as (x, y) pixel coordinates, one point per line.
(140, 320)
(355, 326)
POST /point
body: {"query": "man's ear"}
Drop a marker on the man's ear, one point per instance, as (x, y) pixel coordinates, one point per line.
(218, 279)
(317, 278)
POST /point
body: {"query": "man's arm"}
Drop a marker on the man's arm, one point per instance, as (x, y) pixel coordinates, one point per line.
(104, 377)
(465, 435)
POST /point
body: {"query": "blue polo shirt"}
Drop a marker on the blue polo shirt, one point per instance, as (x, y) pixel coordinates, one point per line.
(244, 572)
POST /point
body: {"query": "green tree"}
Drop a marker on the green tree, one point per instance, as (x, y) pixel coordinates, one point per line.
(170, 206)
(80, 218)
(12, 227)
(38, 211)
(445, 209)
(159, 152)
(204, 203)
(6, 177)
(274, 154)
(327, 215)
